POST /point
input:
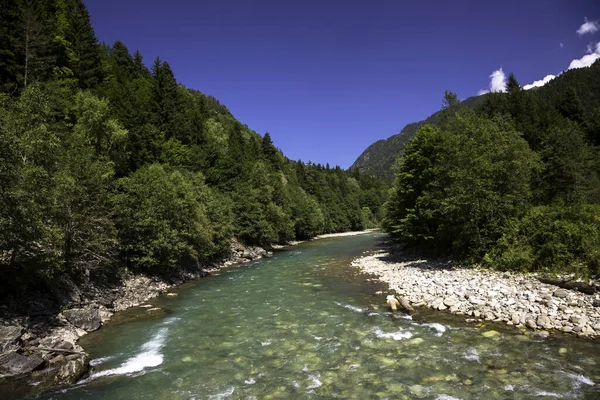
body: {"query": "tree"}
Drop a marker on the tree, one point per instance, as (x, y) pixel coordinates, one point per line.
(10, 63)
(457, 188)
(512, 85)
(164, 97)
(450, 99)
(268, 150)
(162, 219)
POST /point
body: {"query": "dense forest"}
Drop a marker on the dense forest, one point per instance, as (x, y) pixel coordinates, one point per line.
(108, 164)
(512, 183)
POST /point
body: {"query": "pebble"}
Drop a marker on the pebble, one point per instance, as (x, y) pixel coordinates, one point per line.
(511, 298)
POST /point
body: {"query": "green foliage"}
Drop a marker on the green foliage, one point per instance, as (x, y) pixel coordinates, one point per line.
(551, 240)
(162, 219)
(456, 187)
(516, 179)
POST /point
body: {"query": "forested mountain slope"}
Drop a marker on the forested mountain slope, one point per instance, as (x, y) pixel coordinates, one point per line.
(379, 158)
(107, 164)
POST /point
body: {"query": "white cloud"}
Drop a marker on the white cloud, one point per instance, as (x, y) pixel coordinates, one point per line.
(588, 27)
(588, 59)
(539, 83)
(497, 82)
(585, 61)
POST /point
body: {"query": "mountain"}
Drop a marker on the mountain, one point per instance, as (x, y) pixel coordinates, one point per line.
(379, 158)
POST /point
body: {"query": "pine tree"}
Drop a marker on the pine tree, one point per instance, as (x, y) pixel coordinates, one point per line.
(164, 97)
(450, 99)
(10, 62)
(512, 85)
(85, 48)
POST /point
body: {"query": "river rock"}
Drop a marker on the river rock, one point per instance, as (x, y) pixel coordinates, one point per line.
(105, 315)
(530, 323)
(17, 364)
(561, 293)
(88, 319)
(515, 319)
(544, 322)
(450, 301)
(73, 369)
(579, 319)
(587, 330)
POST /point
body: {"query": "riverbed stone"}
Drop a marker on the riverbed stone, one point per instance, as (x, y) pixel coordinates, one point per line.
(530, 323)
(450, 301)
(544, 322)
(515, 318)
(578, 319)
(561, 293)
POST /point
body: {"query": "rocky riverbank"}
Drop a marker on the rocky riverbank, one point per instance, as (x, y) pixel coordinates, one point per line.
(520, 300)
(39, 349)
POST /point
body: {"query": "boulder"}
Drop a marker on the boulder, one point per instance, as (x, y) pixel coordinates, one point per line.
(73, 369)
(88, 319)
(8, 336)
(17, 364)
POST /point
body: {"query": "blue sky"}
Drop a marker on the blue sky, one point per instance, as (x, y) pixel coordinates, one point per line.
(328, 78)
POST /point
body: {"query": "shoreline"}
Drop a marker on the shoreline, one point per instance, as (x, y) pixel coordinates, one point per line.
(518, 300)
(41, 352)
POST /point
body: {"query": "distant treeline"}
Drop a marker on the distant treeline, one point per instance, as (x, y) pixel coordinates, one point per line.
(512, 183)
(107, 164)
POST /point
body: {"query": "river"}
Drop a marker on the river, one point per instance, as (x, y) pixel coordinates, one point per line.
(306, 325)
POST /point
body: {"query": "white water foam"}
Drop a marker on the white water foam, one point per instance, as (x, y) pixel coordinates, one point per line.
(509, 388)
(546, 394)
(315, 381)
(349, 307)
(101, 360)
(150, 356)
(580, 379)
(438, 327)
(472, 355)
(400, 335)
(250, 381)
(446, 397)
(224, 394)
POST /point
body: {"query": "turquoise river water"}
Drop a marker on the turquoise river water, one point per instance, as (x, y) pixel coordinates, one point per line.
(306, 325)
